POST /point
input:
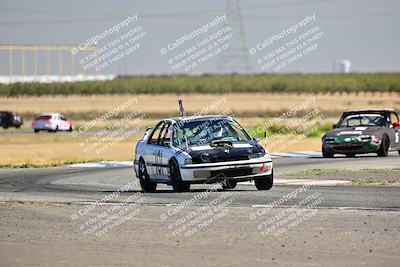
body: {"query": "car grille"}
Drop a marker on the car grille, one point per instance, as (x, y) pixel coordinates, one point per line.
(347, 148)
(232, 172)
(197, 160)
(224, 159)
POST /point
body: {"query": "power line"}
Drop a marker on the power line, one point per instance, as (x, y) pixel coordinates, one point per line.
(190, 14)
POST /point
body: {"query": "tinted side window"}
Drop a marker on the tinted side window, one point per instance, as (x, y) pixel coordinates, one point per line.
(165, 136)
(156, 133)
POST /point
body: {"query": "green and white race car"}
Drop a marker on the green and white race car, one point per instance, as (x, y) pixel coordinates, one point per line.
(363, 131)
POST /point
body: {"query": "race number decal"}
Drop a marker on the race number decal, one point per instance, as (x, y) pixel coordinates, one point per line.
(397, 137)
(158, 161)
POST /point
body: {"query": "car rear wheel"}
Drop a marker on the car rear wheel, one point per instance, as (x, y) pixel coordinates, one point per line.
(176, 179)
(36, 130)
(384, 148)
(350, 155)
(228, 184)
(145, 183)
(264, 182)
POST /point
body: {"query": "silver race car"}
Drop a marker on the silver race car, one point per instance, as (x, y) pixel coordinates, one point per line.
(202, 149)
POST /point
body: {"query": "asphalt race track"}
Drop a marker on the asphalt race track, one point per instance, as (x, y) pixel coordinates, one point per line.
(49, 218)
(82, 185)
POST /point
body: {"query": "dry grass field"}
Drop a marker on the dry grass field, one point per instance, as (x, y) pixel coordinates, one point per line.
(58, 148)
(243, 104)
(55, 149)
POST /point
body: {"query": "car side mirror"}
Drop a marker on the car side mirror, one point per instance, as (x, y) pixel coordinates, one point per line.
(334, 126)
(256, 139)
(396, 124)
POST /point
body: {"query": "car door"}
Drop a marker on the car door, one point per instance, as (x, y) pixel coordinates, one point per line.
(151, 150)
(56, 121)
(161, 154)
(165, 152)
(65, 124)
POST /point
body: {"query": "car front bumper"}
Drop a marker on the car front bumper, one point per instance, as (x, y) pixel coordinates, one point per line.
(351, 145)
(233, 170)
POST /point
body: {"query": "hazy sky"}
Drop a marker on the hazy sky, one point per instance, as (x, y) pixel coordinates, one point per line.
(366, 32)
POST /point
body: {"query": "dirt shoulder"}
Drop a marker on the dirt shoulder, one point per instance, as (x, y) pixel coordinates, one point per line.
(46, 235)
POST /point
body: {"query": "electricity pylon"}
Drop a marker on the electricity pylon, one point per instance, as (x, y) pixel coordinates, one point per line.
(235, 59)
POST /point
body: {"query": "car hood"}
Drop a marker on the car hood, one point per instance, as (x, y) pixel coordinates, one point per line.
(352, 131)
(237, 151)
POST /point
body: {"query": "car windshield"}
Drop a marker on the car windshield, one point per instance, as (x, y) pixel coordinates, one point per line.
(363, 120)
(197, 133)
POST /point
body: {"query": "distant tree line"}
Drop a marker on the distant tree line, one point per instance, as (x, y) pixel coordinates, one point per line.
(288, 83)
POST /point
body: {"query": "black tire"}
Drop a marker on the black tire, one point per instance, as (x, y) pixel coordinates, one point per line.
(70, 129)
(145, 183)
(53, 131)
(36, 131)
(326, 154)
(384, 148)
(228, 184)
(350, 155)
(176, 180)
(264, 182)
(18, 126)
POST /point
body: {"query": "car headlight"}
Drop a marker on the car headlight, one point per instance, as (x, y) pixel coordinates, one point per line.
(368, 138)
(365, 138)
(205, 157)
(328, 139)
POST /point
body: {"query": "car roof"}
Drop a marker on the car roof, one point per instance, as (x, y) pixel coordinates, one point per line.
(49, 114)
(198, 118)
(371, 110)
(364, 114)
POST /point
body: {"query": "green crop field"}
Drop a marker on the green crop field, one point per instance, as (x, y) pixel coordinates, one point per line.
(289, 83)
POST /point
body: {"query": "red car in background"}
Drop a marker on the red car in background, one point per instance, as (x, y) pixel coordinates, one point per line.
(51, 122)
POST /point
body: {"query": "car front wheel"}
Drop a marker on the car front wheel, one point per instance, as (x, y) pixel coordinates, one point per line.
(145, 183)
(176, 180)
(228, 184)
(384, 148)
(264, 182)
(326, 154)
